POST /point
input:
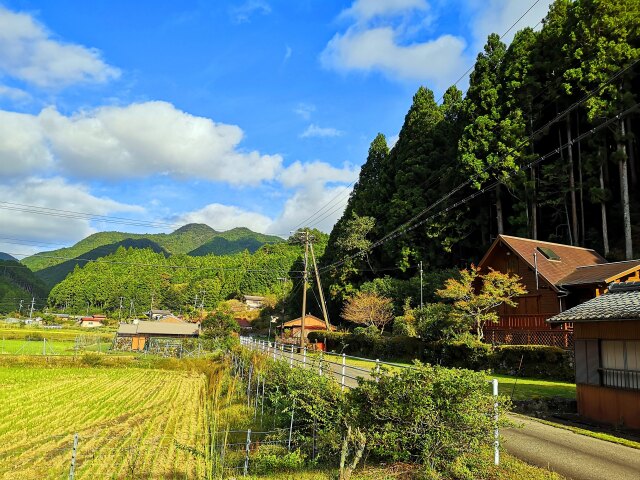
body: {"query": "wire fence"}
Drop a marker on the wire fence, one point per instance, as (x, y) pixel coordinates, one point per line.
(43, 346)
(348, 370)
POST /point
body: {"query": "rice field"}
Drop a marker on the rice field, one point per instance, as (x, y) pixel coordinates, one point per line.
(131, 422)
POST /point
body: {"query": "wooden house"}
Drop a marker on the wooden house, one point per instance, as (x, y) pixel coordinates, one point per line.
(293, 328)
(607, 355)
(91, 322)
(253, 302)
(142, 331)
(557, 277)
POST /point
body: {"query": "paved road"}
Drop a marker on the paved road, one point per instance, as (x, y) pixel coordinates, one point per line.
(574, 456)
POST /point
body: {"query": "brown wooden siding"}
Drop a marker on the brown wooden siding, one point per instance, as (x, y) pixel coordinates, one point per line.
(609, 405)
(625, 330)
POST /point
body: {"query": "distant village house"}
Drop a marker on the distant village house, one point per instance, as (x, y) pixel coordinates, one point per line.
(140, 333)
(253, 302)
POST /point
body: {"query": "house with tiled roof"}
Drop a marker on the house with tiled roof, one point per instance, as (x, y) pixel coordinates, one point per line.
(607, 354)
(557, 277)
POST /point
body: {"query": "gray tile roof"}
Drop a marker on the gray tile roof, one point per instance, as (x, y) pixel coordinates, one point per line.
(158, 328)
(622, 302)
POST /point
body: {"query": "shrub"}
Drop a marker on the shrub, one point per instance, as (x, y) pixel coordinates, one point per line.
(465, 353)
(269, 459)
(538, 361)
(429, 414)
(92, 359)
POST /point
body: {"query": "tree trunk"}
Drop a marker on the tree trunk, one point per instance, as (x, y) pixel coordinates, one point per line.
(534, 205)
(624, 194)
(632, 157)
(499, 219)
(572, 187)
(603, 213)
(581, 185)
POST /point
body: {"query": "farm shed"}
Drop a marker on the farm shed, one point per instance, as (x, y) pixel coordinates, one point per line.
(557, 277)
(141, 332)
(607, 355)
(293, 328)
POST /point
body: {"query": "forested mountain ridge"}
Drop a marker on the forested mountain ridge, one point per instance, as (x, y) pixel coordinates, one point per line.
(542, 145)
(17, 283)
(53, 266)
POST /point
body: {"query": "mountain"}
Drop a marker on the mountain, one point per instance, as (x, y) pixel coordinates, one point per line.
(195, 239)
(17, 283)
(234, 241)
(6, 256)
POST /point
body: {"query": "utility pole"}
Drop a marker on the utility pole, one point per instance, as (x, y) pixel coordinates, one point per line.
(131, 309)
(304, 286)
(421, 284)
(322, 302)
(195, 303)
(204, 293)
(120, 310)
(33, 301)
(20, 307)
(152, 295)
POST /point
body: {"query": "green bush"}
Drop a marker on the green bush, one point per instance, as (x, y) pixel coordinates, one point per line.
(428, 413)
(538, 361)
(465, 353)
(366, 344)
(269, 459)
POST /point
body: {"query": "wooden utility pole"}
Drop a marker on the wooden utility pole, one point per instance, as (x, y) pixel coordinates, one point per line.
(304, 287)
(322, 302)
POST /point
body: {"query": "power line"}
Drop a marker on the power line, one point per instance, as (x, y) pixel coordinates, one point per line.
(308, 219)
(409, 226)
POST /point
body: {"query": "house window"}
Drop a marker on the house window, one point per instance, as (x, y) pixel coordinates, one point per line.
(620, 363)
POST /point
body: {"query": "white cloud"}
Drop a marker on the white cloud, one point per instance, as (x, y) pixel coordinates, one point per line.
(29, 53)
(304, 110)
(364, 10)
(316, 131)
(14, 94)
(391, 37)
(127, 142)
(243, 13)
(287, 54)
(22, 145)
(298, 174)
(56, 193)
(225, 217)
(436, 61)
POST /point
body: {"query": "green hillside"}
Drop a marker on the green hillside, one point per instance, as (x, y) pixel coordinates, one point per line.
(17, 283)
(6, 256)
(194, 239)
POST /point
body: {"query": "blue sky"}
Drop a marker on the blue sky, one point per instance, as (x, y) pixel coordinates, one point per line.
(252, 113)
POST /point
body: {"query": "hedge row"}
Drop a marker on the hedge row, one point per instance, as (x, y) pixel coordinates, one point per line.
(537, 361)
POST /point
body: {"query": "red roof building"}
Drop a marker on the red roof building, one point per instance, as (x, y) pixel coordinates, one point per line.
(557, 277)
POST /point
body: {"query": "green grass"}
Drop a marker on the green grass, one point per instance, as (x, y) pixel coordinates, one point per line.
(533, 388)
(50, 347)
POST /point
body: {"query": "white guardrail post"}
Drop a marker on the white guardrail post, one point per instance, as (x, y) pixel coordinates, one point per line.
(291, 358)
(496, 433)
(304, 357)
(344, 360)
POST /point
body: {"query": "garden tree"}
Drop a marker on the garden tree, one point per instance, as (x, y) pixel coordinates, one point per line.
(482, 152)
(219, 324)
(368, 309)
(435, 322)
(476, 296)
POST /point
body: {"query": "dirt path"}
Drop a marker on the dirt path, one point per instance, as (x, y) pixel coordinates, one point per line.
(574, 456)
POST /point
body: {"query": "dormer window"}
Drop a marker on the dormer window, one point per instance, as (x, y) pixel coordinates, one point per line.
(548, 253)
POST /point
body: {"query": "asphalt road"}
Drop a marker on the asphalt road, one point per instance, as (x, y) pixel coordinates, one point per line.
(574, 456)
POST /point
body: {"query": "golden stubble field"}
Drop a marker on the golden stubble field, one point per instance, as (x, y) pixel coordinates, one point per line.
(131, 422)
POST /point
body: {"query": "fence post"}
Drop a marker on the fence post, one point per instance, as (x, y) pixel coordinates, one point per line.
(249, 386)
(320, 364)
(291, 358)
(496, 433)
(293, 408)
(274, 350)
(72, 469)
(44, 346)
(246, 455)
(344, 359)
(304, 356)
(377, 370)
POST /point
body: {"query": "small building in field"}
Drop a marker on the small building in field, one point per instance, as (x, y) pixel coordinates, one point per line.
(141, 332)
(607, 355)
(91, 322)
(293, 328)
(557, 277)
(253, 302)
